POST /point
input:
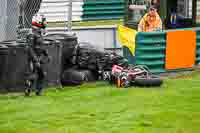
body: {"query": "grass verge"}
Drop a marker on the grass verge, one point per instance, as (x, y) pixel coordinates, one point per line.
(102, 108)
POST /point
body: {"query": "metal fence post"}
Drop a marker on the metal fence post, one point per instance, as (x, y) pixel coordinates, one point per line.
(70, 16)
(3, 4)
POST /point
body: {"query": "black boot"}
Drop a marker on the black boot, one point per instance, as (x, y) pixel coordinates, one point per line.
(38, 93)
(28, 89)
(39, 87)
(27, 92)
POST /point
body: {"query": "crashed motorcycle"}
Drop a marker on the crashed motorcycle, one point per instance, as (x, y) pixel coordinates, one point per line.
(132, 76)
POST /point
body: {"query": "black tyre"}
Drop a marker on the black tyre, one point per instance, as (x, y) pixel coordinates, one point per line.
(150, 81)
(76, 77)
(89, 75)
(72, 77)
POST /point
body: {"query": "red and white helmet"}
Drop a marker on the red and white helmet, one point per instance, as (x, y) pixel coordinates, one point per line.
(39, 21)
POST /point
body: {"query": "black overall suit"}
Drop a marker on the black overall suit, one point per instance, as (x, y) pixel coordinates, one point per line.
(38, 56)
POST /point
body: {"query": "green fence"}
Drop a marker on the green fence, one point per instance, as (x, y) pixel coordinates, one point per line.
(151, 50)
(198, 47)
(103, 9)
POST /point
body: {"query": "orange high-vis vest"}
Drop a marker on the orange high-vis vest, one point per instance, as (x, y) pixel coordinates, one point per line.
(147, 26)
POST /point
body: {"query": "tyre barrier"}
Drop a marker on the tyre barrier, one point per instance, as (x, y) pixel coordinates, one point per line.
(15, 65)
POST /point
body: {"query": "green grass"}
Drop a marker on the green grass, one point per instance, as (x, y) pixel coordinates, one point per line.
(88, 23)
(101, 108)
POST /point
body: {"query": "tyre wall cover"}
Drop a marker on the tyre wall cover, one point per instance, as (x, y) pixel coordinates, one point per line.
(3, 65)
(69, 43)
(53, 68)
(16, 68)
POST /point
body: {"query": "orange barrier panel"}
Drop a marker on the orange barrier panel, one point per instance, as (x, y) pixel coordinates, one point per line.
(180, 49)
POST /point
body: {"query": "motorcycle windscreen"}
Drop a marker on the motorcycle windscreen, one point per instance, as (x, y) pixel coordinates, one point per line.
(180, 49)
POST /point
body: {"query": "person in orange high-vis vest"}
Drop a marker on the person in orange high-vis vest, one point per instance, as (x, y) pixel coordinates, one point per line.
(151, 21)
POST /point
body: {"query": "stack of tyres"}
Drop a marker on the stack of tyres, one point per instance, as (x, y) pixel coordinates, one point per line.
(87, 57)
(3, 65)
(90, 58)
(86, 60)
